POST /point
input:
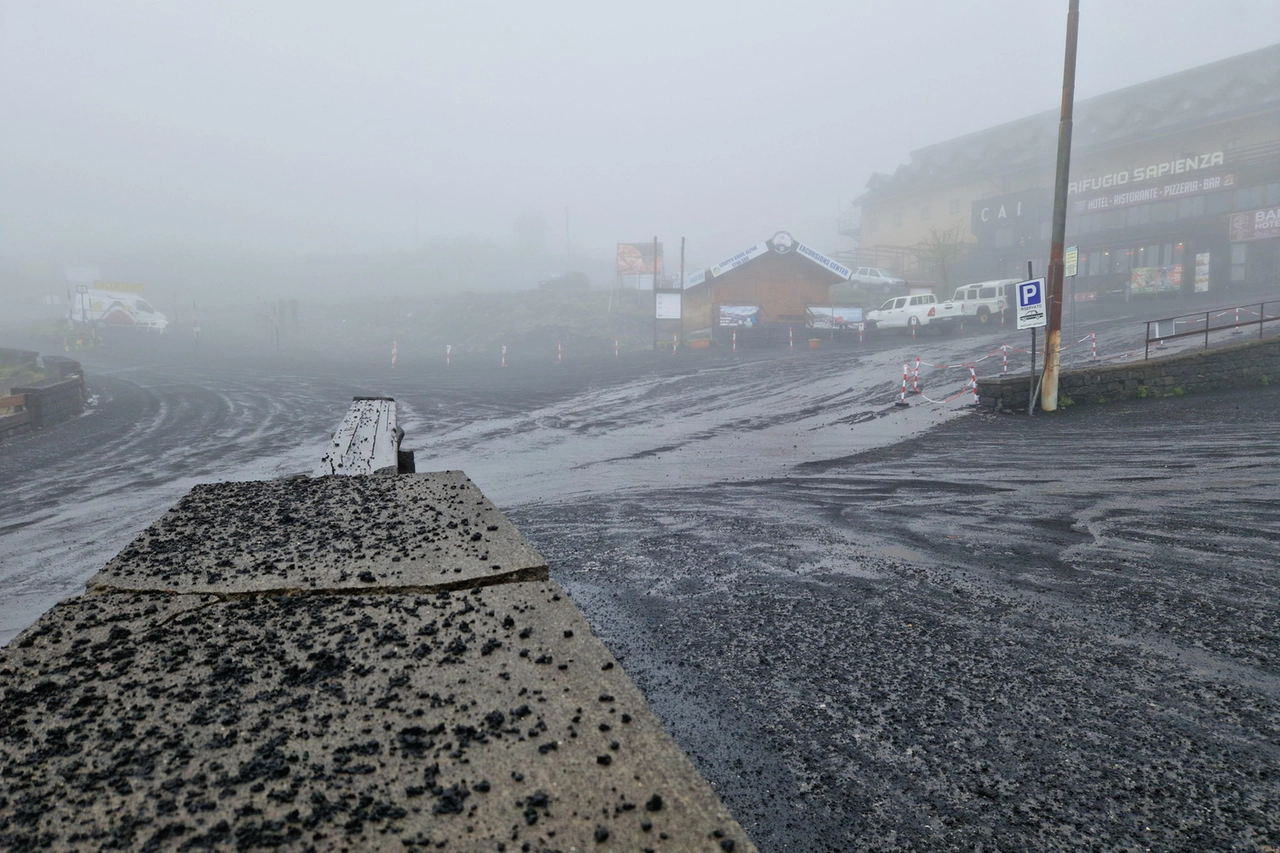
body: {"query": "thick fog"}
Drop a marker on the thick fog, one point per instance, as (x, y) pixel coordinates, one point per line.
(230, 131)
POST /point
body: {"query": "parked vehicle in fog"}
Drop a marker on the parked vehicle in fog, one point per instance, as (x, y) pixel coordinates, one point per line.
(877, 278)
(921, 309)
(94, 307)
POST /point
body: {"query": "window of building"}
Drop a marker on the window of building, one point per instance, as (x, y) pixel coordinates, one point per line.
(955, 206)
(1218, 202)
(1189, 207)
(1164, 211)
(1094, 259)
(1239, 256)
(1114, 219)
(1139, 214)
(1273, 194)
(1250, 197)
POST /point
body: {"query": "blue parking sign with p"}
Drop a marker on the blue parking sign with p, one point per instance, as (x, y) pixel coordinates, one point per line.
(1030, 293)
(1031, 305)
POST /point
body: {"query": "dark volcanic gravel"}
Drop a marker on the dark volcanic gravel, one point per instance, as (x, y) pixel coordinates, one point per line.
(1048, 633)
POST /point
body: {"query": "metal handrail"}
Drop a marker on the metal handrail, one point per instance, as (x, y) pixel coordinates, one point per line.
(1205, 317)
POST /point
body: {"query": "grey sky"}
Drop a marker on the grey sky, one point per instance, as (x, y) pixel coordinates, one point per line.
(313, 126)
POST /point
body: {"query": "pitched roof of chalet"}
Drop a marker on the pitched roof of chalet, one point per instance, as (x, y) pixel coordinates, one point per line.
(780, 249)
(1232, 87)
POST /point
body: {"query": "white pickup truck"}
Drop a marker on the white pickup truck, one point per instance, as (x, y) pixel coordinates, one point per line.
(920, 310)
(985, 300)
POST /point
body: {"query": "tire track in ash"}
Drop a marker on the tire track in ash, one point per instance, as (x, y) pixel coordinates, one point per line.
(81, 491)
(696, 426)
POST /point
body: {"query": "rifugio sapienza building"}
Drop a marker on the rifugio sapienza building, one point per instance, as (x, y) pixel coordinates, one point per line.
(1174, 187)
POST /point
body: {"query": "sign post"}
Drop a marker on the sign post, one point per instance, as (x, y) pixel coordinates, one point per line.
(1070, 262)
(1031, 315)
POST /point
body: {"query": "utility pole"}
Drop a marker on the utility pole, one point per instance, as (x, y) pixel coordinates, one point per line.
(1054, 284)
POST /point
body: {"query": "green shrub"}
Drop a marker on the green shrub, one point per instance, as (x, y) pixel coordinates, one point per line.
(1142, 392)
(1064, 401)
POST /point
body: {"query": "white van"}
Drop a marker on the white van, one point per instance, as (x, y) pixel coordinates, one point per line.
(111, 308)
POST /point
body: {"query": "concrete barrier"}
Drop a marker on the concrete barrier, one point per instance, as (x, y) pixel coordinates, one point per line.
(1236, 366)
(333, 664)
(367, 441)
(51, 401)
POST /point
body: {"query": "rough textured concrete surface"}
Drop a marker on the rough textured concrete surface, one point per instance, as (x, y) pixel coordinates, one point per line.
(286, 707)
(366, 442)
(330, 533)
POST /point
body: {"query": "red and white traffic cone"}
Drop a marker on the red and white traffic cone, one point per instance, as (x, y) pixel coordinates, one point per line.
(913, 328)
(915, 378)
(559, 353)
(675, 343)
(735, 340)
(860, 328)
(1004, 349)
(1237, 331)
(615, 349)
(903, 398)
(973, 381)
(393, 355)
(448, 355)
(1093, 336)
(504, 355)
(791, 338)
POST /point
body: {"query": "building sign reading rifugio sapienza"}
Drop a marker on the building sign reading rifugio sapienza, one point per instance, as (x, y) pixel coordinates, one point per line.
(1255, 225)
(1151, 172)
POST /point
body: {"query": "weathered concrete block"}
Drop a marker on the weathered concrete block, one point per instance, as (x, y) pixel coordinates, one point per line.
(454, 720)
(415, 532)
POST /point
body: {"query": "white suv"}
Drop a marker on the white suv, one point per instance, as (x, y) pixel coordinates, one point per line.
(986, 299)
(877, 279)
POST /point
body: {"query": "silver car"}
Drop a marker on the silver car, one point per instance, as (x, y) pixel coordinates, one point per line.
(877, 278)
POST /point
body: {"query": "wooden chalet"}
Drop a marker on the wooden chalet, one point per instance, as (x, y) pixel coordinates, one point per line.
(760, 292)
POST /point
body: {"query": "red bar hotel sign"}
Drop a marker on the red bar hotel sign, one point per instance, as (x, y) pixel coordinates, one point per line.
(1255, 225)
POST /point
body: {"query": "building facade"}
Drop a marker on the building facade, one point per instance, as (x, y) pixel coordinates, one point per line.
(1174, 187)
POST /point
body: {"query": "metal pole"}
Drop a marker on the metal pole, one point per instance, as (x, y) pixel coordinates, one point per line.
(1053, 341)
(655, 294)
(1031, 387)
(682, 287)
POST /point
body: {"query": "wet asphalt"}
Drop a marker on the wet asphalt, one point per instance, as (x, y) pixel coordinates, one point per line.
(1012, 633)
(870, 627)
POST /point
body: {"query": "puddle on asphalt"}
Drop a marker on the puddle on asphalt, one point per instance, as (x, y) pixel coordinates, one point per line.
(897, 552)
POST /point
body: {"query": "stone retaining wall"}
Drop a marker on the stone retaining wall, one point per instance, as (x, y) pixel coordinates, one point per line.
(1240, 365)
(52, 401)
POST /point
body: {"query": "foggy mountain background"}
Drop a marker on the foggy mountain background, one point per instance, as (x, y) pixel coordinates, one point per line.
(329, 150)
